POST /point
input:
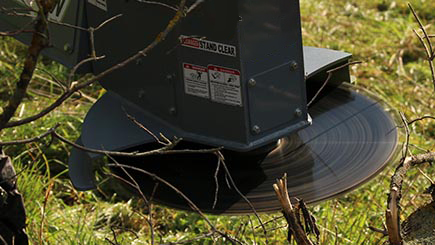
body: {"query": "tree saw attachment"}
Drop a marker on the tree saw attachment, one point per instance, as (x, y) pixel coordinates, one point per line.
(232, 74)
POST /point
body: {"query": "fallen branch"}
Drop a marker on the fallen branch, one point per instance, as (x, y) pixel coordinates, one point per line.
(290, 213)
(393, 211)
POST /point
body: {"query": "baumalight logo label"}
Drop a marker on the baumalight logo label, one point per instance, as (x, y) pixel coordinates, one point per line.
(209, 46)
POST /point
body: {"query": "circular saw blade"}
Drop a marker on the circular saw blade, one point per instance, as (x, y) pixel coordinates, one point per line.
(351, 140)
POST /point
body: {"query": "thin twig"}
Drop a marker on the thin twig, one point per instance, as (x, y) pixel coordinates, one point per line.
(165, 150)
(420, 119)
(141, 126)
(182, 195)
(230, 178)
(138, 189)
(38, 43)
(381, 231)
(426, 42)
(194, 6)
(34, 139)
(330, 73)
(82, 84)
(44, 207)
(158, 3)
(217, 183)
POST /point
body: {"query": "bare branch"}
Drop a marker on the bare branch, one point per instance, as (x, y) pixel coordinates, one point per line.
(393, 211)
(420, 119)
(330, 73)
(80, 85)
(230, 178)
(182, 195)
(423, 29)
(426, 42)
(38, 43)
(34, 139)
(159, 3)
(140, 125)
(165, 150)
(289, 212)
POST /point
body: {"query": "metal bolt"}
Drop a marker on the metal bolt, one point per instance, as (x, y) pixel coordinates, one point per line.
(141, 93)
(67, 48)
(172, 111)
(256, 129)
(293, 65)
(298, 112)
(252, 82)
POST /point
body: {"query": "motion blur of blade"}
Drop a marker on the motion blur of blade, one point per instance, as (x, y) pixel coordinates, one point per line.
(350, 141)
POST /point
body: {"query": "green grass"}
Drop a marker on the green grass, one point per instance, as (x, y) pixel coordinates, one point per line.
(379, 33)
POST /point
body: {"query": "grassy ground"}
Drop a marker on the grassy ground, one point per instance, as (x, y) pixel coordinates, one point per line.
(379, 33)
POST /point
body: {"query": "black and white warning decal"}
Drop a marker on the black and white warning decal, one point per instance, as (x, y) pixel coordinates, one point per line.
(225, 85)
(209, 46)
(196, 80)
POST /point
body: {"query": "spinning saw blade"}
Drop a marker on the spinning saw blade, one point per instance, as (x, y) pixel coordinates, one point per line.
(351, 140)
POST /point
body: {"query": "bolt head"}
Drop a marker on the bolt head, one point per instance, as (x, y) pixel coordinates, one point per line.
(172, 111)
(298, 112)
(252, 82)
(256, 129)
(293, 65)
(141, 93)
(67, 48)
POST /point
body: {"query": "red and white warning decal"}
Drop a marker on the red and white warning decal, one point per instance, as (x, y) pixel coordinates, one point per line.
(225, 85)
(196, 80)
(209, 46)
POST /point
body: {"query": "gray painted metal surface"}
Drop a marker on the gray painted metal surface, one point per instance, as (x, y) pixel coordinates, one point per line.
(106, 126)
(201, 86)
(81, 169)
(231, 73)
(68, 45)
(241, 86)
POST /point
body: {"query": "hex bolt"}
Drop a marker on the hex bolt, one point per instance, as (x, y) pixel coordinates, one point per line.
(256, 129)
(252, 82)
(172, 111)
(293, 65)
(141, 93)
(298, 112)
(169, 77)
(67, 48)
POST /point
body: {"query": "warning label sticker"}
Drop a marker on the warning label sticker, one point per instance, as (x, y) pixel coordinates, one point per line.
(196, 80)
(210, 46)
(225, 85)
